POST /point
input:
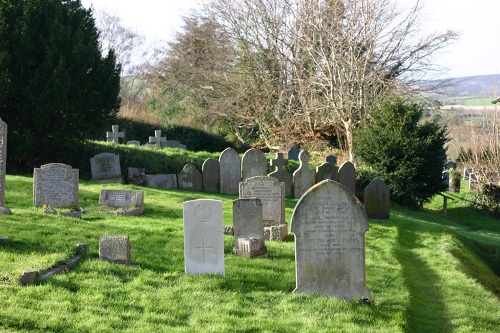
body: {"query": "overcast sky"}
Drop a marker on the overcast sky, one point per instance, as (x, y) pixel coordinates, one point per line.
(476, 53)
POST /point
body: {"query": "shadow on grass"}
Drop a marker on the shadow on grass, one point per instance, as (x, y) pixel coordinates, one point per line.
(426, 311)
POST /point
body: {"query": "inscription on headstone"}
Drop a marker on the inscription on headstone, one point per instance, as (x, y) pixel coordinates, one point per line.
(55, 185)
(329, 224)
(203, 236)
(230, 171)
(115, 249)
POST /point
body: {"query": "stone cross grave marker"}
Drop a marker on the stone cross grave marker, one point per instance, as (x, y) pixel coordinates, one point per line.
(210, 174)
(115, 249)
(114, 135)
(376, 199)
(55, 185)
(326, 170)
(280, 173)
(347, 176)
(248, 228)
(271, 192)
(105, 167)
(203, 237)
(329, 224)
(253, 163)
(129, 202)
(190, 178)
(230, 171)
(3, 161)
(303, 177)
(293, 153)
(158, 140)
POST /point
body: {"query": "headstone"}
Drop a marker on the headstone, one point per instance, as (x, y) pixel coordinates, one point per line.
(326, 170)
(303, 177)
(210, 173)
(445, 176)
(114, 135)
(293, 153)
(105, 168)
(175, 144)
(253, 164)
(248, 228)
(377, 199)
(3, 161)
(472, 181)
(137, 176)
(133, 143)
(55, 185)
(203, 237)
(190, 178)
(347, 176)
(329, 224)
(280, 173)
(271, 192)
(162, 180)
(230, 171)
(127, 202)
(158, 141)
(115, 249)
(450, 165)
(467, 172)
(331, 159)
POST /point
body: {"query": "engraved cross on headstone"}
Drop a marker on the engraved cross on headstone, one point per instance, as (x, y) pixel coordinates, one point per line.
(115, 135)
(279, 162)
(203, 247)
(157, 139)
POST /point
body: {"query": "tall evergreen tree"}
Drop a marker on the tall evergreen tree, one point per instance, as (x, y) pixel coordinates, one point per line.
(56, 88)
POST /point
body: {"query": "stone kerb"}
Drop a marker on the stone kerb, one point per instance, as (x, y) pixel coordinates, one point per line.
(329, 224)
(203, 237)
(376, 199)
(55, 185)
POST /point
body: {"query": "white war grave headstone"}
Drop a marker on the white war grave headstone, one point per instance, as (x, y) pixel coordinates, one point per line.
(55, 185)
(329, 224)
(203, 237)
(105, 168)
(303, 177)
(253, 164)
(115, 135)
(248, 228)
(3, 168)
(230, 171)
(272, 194)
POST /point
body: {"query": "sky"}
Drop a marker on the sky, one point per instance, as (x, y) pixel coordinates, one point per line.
(477, 52)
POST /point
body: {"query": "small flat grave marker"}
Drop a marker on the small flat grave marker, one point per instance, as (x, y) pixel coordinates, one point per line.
(129, 202)
(115, 249)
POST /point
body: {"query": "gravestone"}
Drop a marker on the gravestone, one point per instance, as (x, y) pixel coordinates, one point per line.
(303, 177)
(376, 199)
(271, 192)
(253, 164)
(175, 144)
(230, 171)
(133, 143)
(210, 174)
(137, 176)
(279, 172)
(55, 185)
(472, 181)
(326, 170)
(190, 178)
(293, 153)
(248, 228)
(347, 176)
(115, 249)
(3, 161)
(105, 168)
(203, 237)
(467, 172)
(114, 136)
(162, 180)
(158, 141)
(331, 159)
(450, 165)
(123, 202)
(329, 224)
(445, 176)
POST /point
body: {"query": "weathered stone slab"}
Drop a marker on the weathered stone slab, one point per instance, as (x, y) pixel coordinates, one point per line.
(230, 171)
(248, 228)
(377, 199)
(115, 249)
(137, 176)
(326, 171)
(253, 164)
(128, 202)
(175, 144)
(55, 185)
(329, 224)
(115, 135)
(3, 160)
(190, 178)
(303, 177)
(203, 237)
(280, 173)
(347, 176)
(293, 153)
(162, 180)
(210, 172)
(105, 167)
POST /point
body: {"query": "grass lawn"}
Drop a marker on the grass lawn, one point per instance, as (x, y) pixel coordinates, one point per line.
(422, 269)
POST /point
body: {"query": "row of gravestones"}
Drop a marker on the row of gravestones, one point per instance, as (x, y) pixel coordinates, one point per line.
(157, 141)
(225, 175)
(468, 175)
